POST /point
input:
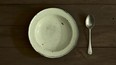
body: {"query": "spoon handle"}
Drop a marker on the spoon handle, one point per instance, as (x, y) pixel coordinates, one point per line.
(90, 46)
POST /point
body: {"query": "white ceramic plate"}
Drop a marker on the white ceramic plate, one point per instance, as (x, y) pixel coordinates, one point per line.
(53, 32)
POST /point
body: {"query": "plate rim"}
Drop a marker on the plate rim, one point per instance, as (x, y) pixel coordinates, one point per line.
(73, 26)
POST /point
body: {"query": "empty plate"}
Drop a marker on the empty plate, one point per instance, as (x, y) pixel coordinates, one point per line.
(53, 32)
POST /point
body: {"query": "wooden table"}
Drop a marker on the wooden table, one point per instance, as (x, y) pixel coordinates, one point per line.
(15, 16)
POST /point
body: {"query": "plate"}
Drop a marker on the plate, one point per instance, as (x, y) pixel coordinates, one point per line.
(53, 32)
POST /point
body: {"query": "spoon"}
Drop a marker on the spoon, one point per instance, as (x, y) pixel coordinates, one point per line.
(89, 24)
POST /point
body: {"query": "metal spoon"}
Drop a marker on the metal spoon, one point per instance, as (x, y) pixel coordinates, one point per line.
(89, 24)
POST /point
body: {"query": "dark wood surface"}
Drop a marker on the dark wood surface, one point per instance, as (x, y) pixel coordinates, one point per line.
(15, 16)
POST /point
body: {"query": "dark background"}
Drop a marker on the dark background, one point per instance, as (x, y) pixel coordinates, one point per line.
(15, 16)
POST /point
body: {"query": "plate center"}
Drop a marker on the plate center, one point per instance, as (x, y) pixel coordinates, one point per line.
(53, 33)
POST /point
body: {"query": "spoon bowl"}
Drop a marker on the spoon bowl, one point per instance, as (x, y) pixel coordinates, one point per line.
(90, 22)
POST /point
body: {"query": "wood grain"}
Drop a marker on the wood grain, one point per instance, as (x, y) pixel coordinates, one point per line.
(26, 56)
(22, 14)
(84, 2)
